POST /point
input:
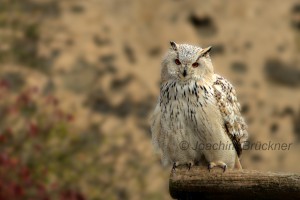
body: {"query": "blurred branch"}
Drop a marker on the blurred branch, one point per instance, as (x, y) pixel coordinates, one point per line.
(198, 183)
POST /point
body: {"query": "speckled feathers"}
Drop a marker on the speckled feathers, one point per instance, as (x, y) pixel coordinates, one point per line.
(196, 106)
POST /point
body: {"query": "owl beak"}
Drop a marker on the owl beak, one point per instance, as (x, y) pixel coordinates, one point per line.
(184, 73)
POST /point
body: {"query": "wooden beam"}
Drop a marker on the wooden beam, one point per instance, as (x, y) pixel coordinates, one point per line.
(199, 183)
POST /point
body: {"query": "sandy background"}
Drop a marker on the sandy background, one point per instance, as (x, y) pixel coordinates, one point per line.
(101, 60)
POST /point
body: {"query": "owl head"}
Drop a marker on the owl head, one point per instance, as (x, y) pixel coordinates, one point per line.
(184, 62)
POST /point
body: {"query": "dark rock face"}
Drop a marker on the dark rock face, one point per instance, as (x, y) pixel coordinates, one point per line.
(282, 73)
(204, 25)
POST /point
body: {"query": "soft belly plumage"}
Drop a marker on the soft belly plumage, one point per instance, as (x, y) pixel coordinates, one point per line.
(189, 117)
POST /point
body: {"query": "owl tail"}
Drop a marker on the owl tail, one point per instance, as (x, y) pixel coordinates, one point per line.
(237, 164)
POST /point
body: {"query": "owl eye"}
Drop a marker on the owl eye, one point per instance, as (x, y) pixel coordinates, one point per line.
(177, 62)
(195, 64)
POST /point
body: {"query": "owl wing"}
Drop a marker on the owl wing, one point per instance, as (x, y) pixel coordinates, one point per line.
(234, 123)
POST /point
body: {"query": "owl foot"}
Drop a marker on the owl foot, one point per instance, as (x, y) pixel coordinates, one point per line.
(176, 164)
(217, 164)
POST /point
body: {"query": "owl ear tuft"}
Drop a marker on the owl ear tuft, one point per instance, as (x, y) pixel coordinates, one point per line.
(173, 45)
(205, 51)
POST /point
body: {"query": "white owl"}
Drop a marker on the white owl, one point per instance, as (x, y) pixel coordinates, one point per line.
(197, 118)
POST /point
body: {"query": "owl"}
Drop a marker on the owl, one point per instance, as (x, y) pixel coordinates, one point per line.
(197, 119)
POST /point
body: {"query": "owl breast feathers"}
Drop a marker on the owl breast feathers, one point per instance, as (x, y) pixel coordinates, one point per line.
(196, 106)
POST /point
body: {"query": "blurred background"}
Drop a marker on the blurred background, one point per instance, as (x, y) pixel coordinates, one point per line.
(79, 80)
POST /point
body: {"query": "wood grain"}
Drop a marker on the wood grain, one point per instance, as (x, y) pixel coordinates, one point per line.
(198, 183)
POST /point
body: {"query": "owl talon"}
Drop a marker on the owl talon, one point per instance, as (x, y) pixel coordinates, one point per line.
(189, 166)
(224, 168)
(174, 167)
(218, 164)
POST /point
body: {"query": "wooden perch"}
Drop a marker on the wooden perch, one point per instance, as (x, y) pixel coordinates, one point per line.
(198, 183)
